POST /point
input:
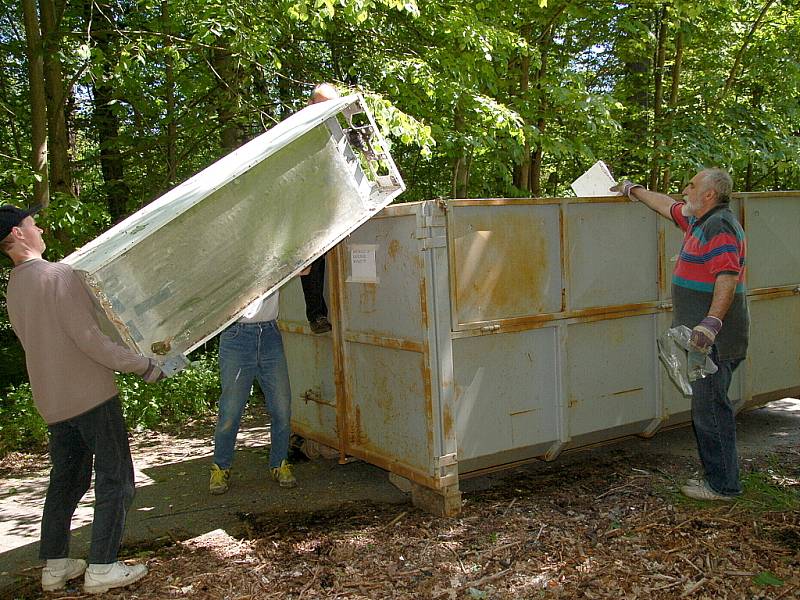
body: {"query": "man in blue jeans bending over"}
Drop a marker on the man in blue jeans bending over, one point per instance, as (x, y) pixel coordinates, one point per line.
(250, 349)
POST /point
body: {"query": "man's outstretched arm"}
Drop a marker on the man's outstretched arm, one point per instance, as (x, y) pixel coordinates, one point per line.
(661, 203)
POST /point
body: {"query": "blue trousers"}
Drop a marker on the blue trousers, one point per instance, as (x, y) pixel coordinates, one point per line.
(98, 436)
(248, 352)
(714, 421)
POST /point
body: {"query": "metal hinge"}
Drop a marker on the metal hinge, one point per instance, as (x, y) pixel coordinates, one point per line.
(431, 231)
(434, 221)
(434, 242)
(489, 328)
(446, 460)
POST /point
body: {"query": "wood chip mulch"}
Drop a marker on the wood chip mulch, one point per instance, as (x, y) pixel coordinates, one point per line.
(585, 531)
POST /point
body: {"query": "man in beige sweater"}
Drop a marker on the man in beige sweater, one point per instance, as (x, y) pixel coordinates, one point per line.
(71, 366)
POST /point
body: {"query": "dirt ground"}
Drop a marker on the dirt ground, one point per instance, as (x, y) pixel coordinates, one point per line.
(602, 523)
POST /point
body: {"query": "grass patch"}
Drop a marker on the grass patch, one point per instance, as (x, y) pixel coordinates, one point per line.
(770, 491)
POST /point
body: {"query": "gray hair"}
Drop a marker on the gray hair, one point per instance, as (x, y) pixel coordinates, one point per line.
(720, 182)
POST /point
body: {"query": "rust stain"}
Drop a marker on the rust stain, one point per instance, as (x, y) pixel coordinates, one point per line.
(357, 433)
(385, 342)
(661, 251)
(368, 292)
(548, 319)
(572, 402)
(390, 463)
(394, 249)
(447, 421)
(772, 292)
(423, 308)
(428, 397)
(426, 361)
(161, 347)
(502, 267)
(292, 327)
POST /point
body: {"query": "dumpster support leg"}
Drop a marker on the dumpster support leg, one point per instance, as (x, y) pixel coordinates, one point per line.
(445, 502)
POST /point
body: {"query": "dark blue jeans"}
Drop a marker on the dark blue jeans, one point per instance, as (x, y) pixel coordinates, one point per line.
(714, 421)
(248, 352)
(314, 290)
(98, 434)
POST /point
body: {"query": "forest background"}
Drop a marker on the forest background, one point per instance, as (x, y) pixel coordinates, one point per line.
(107, 104)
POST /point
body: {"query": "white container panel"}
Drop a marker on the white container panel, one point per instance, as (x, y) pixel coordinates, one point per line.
(506, 391)
(773, 357)
(611, 370)
(391, 306)
(390, 410)
(773, 238)
(613, 255)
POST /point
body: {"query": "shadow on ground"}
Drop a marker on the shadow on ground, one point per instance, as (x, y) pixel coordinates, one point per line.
(173, 502)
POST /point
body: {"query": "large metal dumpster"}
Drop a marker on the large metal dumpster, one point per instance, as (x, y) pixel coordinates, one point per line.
(178, 271)
(474, 334)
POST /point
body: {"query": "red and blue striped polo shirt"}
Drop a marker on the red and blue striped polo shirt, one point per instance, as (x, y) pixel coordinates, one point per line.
(712, 245)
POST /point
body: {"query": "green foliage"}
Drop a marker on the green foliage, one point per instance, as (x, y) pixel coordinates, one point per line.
(765, 578)
(156, 90)
(21, 427)
(190, 393)
(70, 223)
(12, 358)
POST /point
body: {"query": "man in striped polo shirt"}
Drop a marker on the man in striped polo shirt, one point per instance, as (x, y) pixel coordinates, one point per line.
(709, 296)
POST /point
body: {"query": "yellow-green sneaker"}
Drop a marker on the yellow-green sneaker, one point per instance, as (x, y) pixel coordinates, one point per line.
(219, 480)
(283, 475)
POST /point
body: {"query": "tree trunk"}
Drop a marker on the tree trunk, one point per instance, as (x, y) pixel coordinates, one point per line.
(755, 102)
(226, 69)
(535, 183)
(104, 119)
(55, 96)
(673, 105)
(659, 93)
(171, 141)
(522, 172)
(461, 162)
(745, 43)
(41, 188)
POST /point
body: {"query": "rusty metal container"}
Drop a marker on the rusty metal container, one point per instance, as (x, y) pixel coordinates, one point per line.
(180, 270)
(476, 334)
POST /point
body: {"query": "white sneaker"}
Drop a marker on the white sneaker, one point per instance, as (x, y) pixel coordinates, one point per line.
(101, 578)
(55, 578)
(702, 491)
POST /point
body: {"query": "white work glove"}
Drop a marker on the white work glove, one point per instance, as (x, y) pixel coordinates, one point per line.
(153, 372)
(625, 186)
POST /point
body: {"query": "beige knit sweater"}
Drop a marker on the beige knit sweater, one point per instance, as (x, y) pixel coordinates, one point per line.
(71, 363)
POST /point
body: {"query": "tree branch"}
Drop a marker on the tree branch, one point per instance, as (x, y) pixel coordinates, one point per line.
(742, 49)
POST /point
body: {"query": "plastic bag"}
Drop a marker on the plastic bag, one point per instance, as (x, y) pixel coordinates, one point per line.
(683, 364)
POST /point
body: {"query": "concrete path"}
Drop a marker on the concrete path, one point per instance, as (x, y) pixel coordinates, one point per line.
(172, 500)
